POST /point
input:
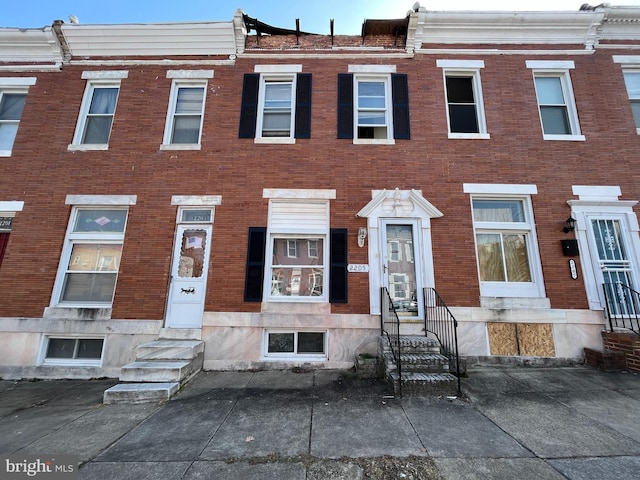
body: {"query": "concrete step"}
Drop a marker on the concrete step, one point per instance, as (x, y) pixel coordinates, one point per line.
(157, 371)
(134, 393)
(424, 362)
(169, 350)
(411, 344)
(181, 334)
(425, 384)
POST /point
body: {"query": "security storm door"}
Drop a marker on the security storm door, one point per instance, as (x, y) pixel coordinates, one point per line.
(614, 262)
(400, 270)
(189, 276)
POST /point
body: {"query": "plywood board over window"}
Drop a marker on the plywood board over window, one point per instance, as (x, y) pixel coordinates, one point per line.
(530, 339)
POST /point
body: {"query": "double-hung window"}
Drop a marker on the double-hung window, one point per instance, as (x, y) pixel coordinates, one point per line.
(13, 96)
(506, 246)
(632, 82)
(463, 93)
(92, 252)
(373, 104)
(183, 128)
(98, 110)
(276, 104)
(556, 104)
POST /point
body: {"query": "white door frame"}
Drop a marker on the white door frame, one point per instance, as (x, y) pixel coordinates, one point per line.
(398, 207)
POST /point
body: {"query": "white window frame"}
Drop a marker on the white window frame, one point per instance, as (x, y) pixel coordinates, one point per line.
(293, 356)
(76, 362)
(19, 85)
(388, 108)
(276, 73)
(535, 288)
(79, 203)
(176, 85)
(633, 99)
(560, 70)
(468, 69)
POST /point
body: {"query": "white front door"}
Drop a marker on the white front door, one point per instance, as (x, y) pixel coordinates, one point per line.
(401, 271)
(189, 276)
(613, 263)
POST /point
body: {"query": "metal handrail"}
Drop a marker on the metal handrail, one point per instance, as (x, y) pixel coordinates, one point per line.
(440, 322)
(622, 306)
(390, 327)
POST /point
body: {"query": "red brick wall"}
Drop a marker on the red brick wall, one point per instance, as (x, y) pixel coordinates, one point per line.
(41, 172)
(627, 343)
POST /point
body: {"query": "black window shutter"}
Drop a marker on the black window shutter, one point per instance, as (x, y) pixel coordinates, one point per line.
(303, 106)
(338, 292)
(255, 264)
(345, 105)
(400, 94)
(249, 108)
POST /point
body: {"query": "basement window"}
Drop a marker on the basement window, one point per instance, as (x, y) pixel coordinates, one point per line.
(292, 344)
(73, 351)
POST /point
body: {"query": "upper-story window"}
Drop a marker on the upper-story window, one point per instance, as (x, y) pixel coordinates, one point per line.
(276, 104)
(373, 104)
(465, 108)
(98, 110)
(632, 82)
(13, 96)
(556, 104)
(183, 128)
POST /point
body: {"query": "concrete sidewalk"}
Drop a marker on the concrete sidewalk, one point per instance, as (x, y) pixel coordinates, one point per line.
(516, 423)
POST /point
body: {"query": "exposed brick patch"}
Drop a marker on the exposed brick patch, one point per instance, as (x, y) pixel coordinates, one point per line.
(618, 346)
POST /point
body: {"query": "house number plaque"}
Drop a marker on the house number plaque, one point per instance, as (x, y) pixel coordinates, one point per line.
(358, 267)
(573, 269)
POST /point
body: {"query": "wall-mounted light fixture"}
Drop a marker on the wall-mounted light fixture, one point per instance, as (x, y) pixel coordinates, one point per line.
(362, 234)
(569, 224)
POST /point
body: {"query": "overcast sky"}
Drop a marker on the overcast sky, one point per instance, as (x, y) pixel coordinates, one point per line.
(314, 15)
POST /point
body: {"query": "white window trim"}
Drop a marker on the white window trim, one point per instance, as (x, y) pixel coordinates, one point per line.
(70, 239)
(294, 356)
(466, 68)
(15, 85)
(533, 289)
(559, 69)
(272, 76)
(94, 81)
(369, 76)
(632, 69)
(177, 83)
(75, 362)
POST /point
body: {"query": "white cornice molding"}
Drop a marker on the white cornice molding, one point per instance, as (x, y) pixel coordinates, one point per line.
(29, 45)
(506, 28)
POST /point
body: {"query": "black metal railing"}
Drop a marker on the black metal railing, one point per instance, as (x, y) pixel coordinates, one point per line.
(623, 306)
(440, 322)
(390, 328)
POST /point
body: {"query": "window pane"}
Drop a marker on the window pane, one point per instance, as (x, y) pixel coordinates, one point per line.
(371, 118)
(190, 100)
(283, 251)
(277, 95)
(463, 119)
(371, 95)
(97, 130)
(12, 105)
(196, 216)
(517, 259)
(100, 221)
(632, 81)
(635, 108)
(555, 120)
(498, 211)
(7, 135)
(276, 124)
(280, 343)
(61, 348)
(310, 342)
(89, 287)
(191, 264)
(549, 90)
(460, 90)
(186, 129)
(89, 348)
(95, 257)
(103, 101)
(490, 257)
(297, 282)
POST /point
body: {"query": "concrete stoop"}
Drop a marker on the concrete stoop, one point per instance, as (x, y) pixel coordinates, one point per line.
(161, 367)
(425, 372)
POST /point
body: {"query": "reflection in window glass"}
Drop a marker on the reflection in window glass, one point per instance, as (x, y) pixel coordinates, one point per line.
(297, 267)
(191, 264)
